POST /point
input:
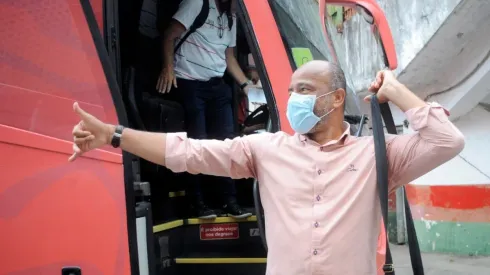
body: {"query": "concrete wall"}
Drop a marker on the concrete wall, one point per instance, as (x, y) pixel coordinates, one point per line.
(452, 219)
(451, 204)
(472, 165)
(441, 51)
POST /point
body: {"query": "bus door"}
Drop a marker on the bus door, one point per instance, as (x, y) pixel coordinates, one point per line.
(337, 12)
(58, 217)
(304, 39)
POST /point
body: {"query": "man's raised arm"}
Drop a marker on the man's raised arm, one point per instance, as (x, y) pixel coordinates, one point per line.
(230, 158)
(436, 141)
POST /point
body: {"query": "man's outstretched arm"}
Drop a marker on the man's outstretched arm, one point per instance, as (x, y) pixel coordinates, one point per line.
(231, 158)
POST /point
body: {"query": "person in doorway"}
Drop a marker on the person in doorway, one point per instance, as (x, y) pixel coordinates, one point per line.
(194, 76)
(318, 187)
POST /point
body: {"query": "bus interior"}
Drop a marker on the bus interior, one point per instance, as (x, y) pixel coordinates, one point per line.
(180, 243)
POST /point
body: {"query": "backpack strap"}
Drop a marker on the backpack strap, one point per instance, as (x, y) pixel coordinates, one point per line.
(198, 22)
(380, 112)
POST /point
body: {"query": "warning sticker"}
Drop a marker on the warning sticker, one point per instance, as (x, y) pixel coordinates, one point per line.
(224, 231)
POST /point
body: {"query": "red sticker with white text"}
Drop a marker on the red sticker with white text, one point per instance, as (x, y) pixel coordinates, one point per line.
(224, 231)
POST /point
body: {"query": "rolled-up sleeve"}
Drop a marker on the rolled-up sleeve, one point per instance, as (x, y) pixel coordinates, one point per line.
(435, 141)
(230, 158)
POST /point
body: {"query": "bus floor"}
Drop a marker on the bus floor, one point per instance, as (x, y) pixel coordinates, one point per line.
(440, 264)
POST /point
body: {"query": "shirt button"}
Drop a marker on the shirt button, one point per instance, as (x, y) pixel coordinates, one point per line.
(319, 172)
(315, 252)
(316, 224)
(318, 198)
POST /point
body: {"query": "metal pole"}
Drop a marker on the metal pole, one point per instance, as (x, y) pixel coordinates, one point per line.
(401, 236)
(361, 125)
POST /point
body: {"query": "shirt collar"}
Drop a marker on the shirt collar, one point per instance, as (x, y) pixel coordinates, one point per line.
(343, 138)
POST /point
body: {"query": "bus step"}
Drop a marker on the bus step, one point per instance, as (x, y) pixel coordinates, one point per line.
(218, 265)
(226, 236)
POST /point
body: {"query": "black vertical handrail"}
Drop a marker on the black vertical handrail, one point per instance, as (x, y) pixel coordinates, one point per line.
(380, 112)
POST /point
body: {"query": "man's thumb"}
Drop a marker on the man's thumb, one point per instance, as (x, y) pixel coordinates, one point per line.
(83, 115)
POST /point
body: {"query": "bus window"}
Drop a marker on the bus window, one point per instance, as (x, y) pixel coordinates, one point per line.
(348, 27)
(302, 34)
(43, 78)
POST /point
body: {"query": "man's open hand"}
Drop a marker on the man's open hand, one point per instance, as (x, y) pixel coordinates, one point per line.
(384, 86)
(90, 133)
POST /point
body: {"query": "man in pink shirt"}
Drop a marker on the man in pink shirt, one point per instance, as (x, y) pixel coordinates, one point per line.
(318, 187)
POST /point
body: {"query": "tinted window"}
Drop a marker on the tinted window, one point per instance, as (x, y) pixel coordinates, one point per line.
(48, 61)
(301, 31)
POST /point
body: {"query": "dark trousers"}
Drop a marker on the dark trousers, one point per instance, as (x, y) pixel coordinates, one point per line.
(208, 111)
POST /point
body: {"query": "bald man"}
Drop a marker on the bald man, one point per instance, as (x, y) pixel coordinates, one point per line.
(318, 186)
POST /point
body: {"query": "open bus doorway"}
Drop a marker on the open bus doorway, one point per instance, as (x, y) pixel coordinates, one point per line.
(167, 186)
(170, 219)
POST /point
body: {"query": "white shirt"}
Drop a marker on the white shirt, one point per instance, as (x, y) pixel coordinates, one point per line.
(202, 55)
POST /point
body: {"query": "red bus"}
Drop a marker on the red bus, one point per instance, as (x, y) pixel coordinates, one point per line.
(89, 217)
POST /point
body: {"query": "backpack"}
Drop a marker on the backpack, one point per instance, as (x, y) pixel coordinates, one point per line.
(166, 10)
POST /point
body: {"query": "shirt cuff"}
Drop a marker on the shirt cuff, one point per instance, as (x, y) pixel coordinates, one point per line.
(419, 117)
(175, 152)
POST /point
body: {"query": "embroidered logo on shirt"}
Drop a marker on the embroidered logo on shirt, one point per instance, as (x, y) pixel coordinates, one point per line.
(351, 168)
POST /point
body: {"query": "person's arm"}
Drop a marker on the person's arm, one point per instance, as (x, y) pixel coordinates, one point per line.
(229, 158)
(174, 31)
(180, 23)
(233, 68)
(436, 141)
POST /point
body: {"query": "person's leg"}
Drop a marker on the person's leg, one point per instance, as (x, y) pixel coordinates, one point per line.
(191, 94)
(219, 119)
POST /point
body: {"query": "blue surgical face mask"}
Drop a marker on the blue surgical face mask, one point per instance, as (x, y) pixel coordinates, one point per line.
(300, 112)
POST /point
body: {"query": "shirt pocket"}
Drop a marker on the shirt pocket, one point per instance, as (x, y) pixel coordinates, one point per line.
(298, 188)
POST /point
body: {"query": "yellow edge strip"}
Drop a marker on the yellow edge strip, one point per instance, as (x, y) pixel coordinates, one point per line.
(221, 260)
(221, 220)
(167, 226)
(176, 194)
(178, 223)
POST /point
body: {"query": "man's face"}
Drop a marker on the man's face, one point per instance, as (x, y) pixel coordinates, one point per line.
(311, 82)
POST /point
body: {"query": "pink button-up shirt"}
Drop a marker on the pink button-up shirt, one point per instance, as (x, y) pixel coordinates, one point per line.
(320, 200)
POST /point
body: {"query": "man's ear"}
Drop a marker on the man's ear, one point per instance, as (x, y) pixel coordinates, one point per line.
(339, 98)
